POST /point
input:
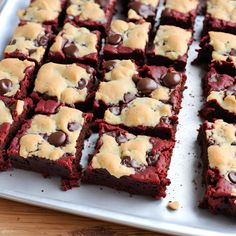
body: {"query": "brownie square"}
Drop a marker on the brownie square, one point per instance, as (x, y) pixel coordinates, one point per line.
(42, 11)
(74, 44)
(220, 16)
(170, 47)
(16, 77)
(51, 142)
(220, 90)
(141, 10)
(180, 13)
(153, 109)
(93, 14)
(135, 164)
(29, 41)
(13, 112)
(74, 84)
(127, 40)
(218, 49)
(217, 142)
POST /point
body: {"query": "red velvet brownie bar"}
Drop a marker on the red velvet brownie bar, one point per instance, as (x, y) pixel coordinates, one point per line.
(51, 142)
(170, 47)
(143, 10)
(220, 90)
(13, 112)
(16, 77)
(93, 14)
(180, 13)
(218, 49)
(45, 12)
(136, 164)
(220, 16)
(127, 40)
(218, 141)
(29, 41)
(71, 84)
(74, 44)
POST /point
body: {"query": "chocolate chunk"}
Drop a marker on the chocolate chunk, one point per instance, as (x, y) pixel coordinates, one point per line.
(73, 126)
(143, 9)
(43, 41)
(70, 50)
(126, 160)
(128, 97)
(109, 65)
(232, 176)
(171, 79)
(115, 110)
(5, 86)
(57, 139)
(146, 85)
(82, 83)
(89, 70)
(114, 39)
(13, 42)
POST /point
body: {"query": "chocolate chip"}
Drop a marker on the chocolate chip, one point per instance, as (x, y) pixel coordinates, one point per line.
(146, 85)
(115, 110)
(232, 176)
(13, 42)
(128, 97)
(171, 79)
(114, 39)
(82, 83)
(32, 51)
(233, 52)
(73, 126)
(126, 160)
(152, 160)
(43, 41)
(109, 65)
(89, 70)
(57, 139)
(70, 50)
(121, 138)
(143, 9)
(5, 86)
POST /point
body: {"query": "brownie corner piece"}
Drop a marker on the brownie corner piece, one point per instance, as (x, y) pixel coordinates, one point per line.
(180, 13)
(217, 142)
(135, 164)
(127, 40)
(51, 143)
(170, 47)
(76, 44)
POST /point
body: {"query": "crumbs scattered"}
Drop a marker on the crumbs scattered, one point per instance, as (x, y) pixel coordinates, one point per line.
(173, 205)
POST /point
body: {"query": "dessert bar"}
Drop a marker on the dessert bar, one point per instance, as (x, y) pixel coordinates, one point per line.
(127, 40)
(51, 142)
(218, 141)
(135, 164)
(74, 84)
(220, 90)
(74, 44)
(29, 41)
(170, 47)
(180, 13)
(16, 77)
(220, 16)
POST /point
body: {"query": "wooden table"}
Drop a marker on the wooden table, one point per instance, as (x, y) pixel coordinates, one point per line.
(24, 220)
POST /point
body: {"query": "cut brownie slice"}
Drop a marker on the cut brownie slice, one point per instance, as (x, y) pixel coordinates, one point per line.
(51, 143)
(218, 49)
(218, 143)
(170, 47)
(13, 112)
(136, 164)
(127, 40)
(74, 84)
(16, 77)
(75, 44)
(93, 14)
(42, 11)
(180, 13)
(142, 10)
(220, 90)
(220, 16)
(29, 41)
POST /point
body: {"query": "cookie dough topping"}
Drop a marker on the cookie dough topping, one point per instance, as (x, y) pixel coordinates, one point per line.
(183, 6)
(6, 116)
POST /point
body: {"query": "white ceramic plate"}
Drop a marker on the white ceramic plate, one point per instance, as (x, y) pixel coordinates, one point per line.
(119, 207)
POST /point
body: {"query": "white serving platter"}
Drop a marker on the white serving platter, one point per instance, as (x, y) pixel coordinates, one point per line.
(107, 204)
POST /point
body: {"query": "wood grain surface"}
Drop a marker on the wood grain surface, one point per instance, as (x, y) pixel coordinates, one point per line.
(25, 220)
